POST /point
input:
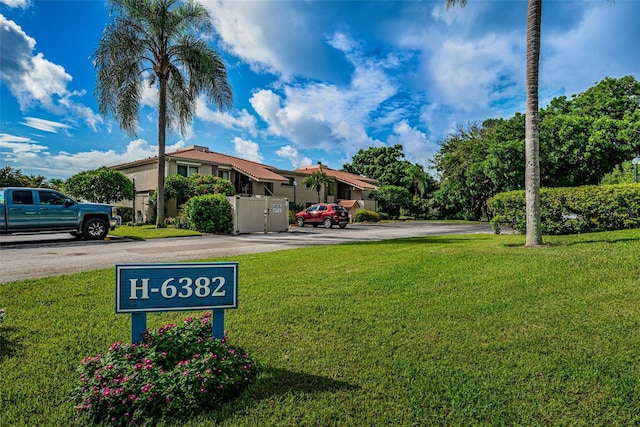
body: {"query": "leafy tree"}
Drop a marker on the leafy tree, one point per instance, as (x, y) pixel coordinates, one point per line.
(316, 180)
(164, 40)
(392, 199)
(102, 185)
(385, 164)
(210, 184)
(11, 177)
(177, 187)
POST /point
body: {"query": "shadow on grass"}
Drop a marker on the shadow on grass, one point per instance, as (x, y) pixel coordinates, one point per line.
(8, 347)
(277, 382)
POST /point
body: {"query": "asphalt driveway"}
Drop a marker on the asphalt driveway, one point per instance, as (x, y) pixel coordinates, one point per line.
(41, 255)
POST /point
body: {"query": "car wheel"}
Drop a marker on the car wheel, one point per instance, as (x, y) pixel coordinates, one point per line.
(95, 229)
(300, 222)
(342, 225)
(327, 223)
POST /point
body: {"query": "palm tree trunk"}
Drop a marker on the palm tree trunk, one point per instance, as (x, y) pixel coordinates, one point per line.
(532, 138)
(162, 130)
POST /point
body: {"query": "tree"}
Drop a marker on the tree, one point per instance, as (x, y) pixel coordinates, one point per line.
(392, 199)
(385, 164)
(316, 180)
(161, 41)
(532, 138)
(102, 185)
(418, 180)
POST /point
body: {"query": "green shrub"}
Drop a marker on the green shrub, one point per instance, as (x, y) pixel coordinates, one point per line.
(182, 222)
(210, 213)
(572, 210)
(364, 215)
(3, 313)
(176, 372)
(126, 213)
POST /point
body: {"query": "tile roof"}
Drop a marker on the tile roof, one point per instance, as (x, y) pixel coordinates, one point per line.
(361, 182)
(257, 171)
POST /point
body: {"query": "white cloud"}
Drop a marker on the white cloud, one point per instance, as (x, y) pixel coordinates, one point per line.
(16, 3)
(34, 158)
(44, 125)
(290, 153)
(36, 82)
(325, 115)
(242, 122)
(248, 150)
(417, 148)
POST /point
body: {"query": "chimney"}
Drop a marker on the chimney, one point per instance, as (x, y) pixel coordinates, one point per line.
(201, 148)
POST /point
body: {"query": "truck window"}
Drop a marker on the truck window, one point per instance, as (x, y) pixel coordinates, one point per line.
(51, 198)
(22, 197)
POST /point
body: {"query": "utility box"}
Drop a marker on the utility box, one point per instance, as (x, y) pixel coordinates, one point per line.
(259, 214)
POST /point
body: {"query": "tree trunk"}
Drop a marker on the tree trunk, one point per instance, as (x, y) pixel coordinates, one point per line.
(532, 138)
(162, 130)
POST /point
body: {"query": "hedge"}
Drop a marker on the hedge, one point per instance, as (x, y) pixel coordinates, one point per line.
(571, 210)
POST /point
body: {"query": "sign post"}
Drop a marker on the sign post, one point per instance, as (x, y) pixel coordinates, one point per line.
(143, 288)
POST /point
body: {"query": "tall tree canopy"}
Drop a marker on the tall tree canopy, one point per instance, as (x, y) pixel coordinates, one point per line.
(577, 148)
(386, 164)
(163, 43)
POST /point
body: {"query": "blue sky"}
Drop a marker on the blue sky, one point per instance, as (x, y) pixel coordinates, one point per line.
(313, 80)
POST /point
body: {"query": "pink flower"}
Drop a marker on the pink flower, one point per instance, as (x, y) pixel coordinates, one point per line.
(109, 367)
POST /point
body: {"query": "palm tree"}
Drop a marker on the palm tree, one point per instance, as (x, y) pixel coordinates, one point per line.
(418, 180)
(160, 41)
(316, 180)
(532, 139)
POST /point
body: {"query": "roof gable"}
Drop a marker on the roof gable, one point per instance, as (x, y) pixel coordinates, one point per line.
(257, 171)
(354, 180)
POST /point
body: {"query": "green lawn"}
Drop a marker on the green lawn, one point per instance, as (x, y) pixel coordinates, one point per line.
(150, 231)
(443, 331)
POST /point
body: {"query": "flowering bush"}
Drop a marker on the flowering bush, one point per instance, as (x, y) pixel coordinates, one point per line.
(177, 370)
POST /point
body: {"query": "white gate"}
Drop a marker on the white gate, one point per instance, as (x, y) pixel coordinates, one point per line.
(259, 214)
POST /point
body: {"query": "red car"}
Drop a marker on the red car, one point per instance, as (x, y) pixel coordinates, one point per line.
(327, 214)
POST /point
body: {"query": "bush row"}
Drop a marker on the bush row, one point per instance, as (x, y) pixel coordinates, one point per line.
(572, 210)
(364, 215)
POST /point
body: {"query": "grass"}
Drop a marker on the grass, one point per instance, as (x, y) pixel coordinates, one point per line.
(450, 330)
(150, 231)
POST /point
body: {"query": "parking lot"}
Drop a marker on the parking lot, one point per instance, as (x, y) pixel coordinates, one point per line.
(41, 255)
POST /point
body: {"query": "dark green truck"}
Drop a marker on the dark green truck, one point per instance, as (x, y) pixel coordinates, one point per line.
(36, 210)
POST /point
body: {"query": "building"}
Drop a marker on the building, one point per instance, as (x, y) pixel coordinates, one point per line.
(250, 179)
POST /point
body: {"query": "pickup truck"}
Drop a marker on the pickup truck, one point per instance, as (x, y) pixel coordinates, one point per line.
(35, 210)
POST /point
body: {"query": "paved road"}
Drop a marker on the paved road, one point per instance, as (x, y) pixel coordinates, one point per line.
(33, 256)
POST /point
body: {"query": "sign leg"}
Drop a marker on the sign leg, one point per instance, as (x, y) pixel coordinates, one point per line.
(138, 326)
(218, 323)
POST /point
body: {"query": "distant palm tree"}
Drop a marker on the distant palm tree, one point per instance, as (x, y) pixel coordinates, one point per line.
(316, 180)
(532, 139)
(418, 180)
(158, 40)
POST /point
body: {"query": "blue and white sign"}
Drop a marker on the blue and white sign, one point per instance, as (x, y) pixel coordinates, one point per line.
(176, 287)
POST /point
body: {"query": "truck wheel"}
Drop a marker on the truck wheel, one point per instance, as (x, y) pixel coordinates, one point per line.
(95, 229)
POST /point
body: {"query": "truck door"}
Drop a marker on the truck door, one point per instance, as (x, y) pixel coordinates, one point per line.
(56, 210)
(22, 213)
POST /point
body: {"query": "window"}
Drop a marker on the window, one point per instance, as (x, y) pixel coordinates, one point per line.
(23, 197)
(322, 208)
(51, 198)
(186, 170)
(268, 188)
(223, 174)
(290, 183)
